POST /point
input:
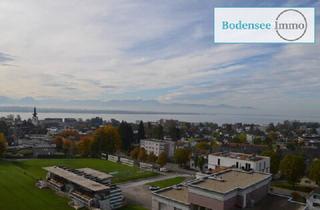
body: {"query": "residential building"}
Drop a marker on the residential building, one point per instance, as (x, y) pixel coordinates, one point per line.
(225, 190)
(313, 201)
(157, 146)
(86, 187)
(240, 161)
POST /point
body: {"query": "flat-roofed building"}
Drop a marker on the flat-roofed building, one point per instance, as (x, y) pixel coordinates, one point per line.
(239, 160)
(313, 201)
(86, 187)
(157, 146)
(226, 190)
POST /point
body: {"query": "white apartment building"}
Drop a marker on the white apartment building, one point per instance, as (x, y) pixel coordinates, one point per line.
(158, 146)
(313, 201)
(239, 160)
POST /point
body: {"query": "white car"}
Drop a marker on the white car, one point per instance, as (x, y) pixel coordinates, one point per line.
(153, 188)
(163, 170)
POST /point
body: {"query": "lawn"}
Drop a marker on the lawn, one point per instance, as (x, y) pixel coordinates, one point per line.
(133, 207)
(17, 182)
(167, 182)
(286, 185)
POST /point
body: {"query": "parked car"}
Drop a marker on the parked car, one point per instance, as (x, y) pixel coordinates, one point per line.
(163, 170)
(153, 188)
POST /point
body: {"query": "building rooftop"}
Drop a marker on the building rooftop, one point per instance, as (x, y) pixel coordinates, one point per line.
(153, 140)
(240, 156)
(229, 180)
(77, 179)
(172, 193)
(95, 173)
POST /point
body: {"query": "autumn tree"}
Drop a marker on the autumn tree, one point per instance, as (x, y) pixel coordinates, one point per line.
(151, 158)
(314, 171)
(162, 159)
(292, 168)
(58, 141)
(142, 156)
(106, 139)
(84, 145)
(69, 147)
(70, 134)
(182, 156)
(3, 144)
(134, 153)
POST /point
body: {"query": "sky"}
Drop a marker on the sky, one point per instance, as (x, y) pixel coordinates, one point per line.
(151, 50)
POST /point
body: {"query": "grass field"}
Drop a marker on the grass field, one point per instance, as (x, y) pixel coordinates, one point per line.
(17, 182)
(286, 185)
(167, 182)
(133, 207)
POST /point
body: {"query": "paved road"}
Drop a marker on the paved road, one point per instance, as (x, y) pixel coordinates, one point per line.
(135, 183)
(136, 192)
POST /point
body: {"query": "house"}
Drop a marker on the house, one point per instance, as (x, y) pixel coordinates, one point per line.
(313, 201)
(225, 190)
(85, 187)
(239, 160)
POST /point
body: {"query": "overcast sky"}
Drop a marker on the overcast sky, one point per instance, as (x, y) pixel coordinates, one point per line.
(162, 50)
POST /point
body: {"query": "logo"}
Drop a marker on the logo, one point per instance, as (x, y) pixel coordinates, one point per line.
(291, 25)
(264, 25)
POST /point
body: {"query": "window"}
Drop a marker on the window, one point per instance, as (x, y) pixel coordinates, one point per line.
(237, 164)
(218, 161)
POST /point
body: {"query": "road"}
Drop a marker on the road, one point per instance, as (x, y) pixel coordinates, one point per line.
(136, 192)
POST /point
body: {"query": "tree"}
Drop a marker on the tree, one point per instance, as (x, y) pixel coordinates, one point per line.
(162, 159)
(3, 144)
(151, 158)
(141, 133)
(4, 128)
(174, 132)
(142, 156)
(157, 132)
(106, 139)
(126, 135)
(314, 171)
(181, 156)
(292, 168)
(134, 153)
(84, 145)
(202, 146)
(70, 134)
(58, 141)
(274, 160)
(240, 138)
(201, 161)
(69, 147)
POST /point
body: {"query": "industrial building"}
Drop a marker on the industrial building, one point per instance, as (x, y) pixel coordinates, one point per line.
(85, 187)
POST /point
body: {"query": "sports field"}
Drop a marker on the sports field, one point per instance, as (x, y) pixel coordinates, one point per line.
(17, 181)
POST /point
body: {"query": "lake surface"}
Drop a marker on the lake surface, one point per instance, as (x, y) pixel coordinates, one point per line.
(217, 118)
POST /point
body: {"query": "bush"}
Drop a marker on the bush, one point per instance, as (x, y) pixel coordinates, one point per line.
(297, 197)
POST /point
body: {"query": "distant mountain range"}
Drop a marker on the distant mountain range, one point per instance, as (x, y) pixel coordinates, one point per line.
(113, 106)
